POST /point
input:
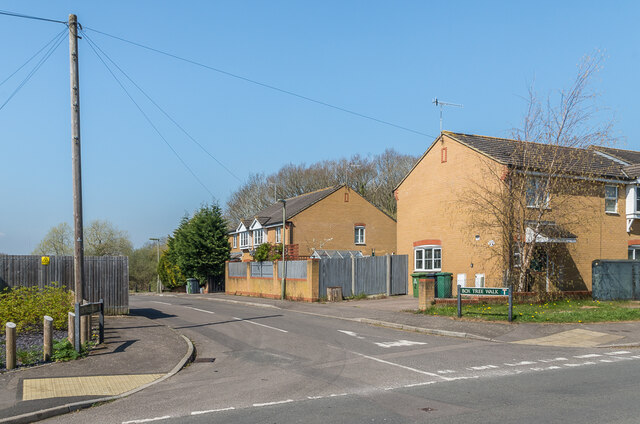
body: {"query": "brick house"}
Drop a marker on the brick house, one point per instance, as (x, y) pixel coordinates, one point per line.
(335, 218)
(440, 230)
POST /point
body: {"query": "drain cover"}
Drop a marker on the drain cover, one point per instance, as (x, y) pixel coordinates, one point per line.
(200, 360)
(427, 409)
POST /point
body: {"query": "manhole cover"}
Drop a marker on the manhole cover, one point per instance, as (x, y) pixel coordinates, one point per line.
(200, 360)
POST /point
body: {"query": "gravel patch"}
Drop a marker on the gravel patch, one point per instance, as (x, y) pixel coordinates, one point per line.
(28, 341)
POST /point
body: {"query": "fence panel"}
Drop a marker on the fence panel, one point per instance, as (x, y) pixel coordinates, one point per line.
(335, 273)
(616, 280)
(371, 275)
(295, 269)
(106, 277)
(238, 269)
(262, 269)
(399, 274)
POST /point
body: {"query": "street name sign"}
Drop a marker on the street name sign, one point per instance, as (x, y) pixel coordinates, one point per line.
(484, 291)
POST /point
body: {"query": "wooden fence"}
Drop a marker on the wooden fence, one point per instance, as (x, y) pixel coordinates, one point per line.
(106, 277)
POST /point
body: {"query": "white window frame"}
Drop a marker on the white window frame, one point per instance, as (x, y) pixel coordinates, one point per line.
(235, 241)
(359, 234)
(245, 239)
(637, 203)
(535, 192)
(423, 263)
(610, 198)
(278, 234)
(634, 252)
(258, 237)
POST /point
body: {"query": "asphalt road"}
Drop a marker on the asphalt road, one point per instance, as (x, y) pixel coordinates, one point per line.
(269, 365)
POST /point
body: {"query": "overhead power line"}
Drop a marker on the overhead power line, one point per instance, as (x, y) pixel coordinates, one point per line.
(37, 18)
(34, 55)
(148, 119)
(262, 84)
(35, 69)
(159, 107)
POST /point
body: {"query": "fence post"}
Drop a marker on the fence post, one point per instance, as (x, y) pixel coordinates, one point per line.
(353, 276)
(101, 322)
(71, 330)
(47, 347)
(76, 328)
(11, 345)
(459, 302)
(388, 275)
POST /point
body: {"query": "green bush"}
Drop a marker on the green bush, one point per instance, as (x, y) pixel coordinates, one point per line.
(27, 306)
(64, 351)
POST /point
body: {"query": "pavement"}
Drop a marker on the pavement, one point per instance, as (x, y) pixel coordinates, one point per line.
(139, 352)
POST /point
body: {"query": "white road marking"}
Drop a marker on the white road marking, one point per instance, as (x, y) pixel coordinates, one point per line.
(552, 360)
(163, 303)
(231, 408)
(445, 371)
(591, 355)
(517, 364)
(621, 352)
(402, 366)
(399, 343)
(147, 420)
(351, 333)
(426, 383)
(261, 325)
(280, 402)
(483, 367)
(607, 360)
(579, 365)
(200, 310)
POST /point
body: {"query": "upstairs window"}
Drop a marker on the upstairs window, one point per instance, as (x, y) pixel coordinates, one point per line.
(637, 189)
(537, 193)
(258, 237)
(428, 258)
(610, 199)
(278, 234)
(359, 234)
(245, 239)
(235, 241)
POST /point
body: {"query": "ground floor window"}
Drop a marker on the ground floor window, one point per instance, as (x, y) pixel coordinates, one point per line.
(428, 258)
(634, 252)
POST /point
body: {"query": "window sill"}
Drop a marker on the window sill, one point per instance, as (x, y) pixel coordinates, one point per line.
(360, 244)
(612, 213)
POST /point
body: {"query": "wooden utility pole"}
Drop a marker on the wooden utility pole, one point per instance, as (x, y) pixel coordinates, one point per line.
(78, 244)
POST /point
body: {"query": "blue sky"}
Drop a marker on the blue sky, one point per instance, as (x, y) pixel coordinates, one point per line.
(387, 60)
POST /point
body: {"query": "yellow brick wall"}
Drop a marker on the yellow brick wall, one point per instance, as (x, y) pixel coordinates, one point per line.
(330, 224)
(433, 204)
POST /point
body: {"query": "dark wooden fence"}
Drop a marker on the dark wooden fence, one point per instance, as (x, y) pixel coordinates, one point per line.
(106, 277)
(615, 279)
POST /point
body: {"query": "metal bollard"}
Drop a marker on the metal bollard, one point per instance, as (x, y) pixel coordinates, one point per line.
(11, 345)
(71, 332)
(47, 348)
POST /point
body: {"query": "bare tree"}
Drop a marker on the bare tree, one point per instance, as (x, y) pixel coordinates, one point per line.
(58, 241)
(532, 196)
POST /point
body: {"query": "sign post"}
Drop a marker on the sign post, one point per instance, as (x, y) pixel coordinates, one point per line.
(485, 291)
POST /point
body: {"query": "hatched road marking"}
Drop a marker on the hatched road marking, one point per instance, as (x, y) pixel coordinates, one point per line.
(103, 385)
(572, 338)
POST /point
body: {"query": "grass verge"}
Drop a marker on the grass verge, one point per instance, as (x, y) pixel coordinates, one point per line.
(574, 311)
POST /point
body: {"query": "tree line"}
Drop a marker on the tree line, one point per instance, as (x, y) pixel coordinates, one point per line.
(374, 178)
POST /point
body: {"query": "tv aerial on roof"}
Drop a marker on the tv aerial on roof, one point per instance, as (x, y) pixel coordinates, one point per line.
(442, 104)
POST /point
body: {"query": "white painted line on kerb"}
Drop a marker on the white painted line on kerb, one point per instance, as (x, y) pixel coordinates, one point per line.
(210, 411)
(200, 310)
(279, 402)
(402, 366)
(261, 325)
(147, 420)
(164, 303)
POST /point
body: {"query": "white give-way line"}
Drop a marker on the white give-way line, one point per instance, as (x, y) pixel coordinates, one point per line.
(261, 325)
(200, 310)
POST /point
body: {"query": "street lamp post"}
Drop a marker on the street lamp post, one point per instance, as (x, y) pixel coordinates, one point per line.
(283, 284)
(158, 283)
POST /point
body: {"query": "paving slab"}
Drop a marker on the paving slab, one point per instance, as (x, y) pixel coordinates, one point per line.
(137, 351)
